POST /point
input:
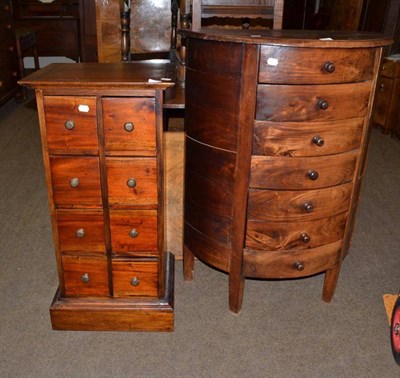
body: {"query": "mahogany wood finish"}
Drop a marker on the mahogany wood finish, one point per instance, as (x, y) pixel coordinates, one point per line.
(102, 136)
(277, 135)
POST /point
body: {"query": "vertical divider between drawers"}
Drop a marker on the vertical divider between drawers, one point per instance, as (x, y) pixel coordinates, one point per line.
(104, 189)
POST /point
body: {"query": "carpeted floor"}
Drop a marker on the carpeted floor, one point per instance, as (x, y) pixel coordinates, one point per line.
(284, 329)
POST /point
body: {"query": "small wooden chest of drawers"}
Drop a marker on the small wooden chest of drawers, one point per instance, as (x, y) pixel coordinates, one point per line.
(101, 127)
(277, 134)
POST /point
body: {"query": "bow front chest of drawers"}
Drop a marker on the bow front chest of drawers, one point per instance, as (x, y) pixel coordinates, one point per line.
(277, 135)
(101, 127)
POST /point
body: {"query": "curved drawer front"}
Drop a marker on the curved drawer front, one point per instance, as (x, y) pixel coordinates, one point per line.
(129, 126)
(85, 276)
(280, 65)
(75, 181)
(285, 103)
(306, 139)
(296, 173)
(132, 181)
(81, 230)
(290, 264)
(284, 206)
(71, 124)
(134, 231)
(134, 278)
(294, 235)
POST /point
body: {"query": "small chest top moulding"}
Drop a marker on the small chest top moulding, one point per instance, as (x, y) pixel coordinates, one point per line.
(277, 129)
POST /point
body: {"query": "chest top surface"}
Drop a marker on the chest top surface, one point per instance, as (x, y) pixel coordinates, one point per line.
(299, 38)
(103, 75)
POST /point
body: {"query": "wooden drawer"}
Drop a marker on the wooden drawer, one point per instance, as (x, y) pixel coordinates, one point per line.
(81, 231)
(290, 264)
(294, 235)
(288, 206)
(85, 276)
(71, 124)
(294, 173)
(306, 139)
(134, 231)
(135, 278)
(288, 103)
(390, 68)
(129, 126)
(75, 181)
(132, 181)
(280, 65)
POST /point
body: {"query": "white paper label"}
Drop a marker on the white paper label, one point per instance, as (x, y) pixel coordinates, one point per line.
(83, 108)
(272, 61)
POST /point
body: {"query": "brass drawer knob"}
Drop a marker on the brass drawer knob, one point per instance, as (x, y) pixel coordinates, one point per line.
(80, 233)
(305, 238)
(133, 233)
(131, 182)
(85, 277)
(70, 124)
(308, 207)
(382, 87)
(329, 67)
(299, 266)
(312, 175)
(135, 281)
(74, 182)
(318, 141)
(323, 104)
(129, 126)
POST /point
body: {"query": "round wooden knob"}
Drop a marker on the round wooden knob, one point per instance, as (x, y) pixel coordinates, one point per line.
(323, 104)
(318, 141)
(312, 175)
(299, 266)
(329, 67)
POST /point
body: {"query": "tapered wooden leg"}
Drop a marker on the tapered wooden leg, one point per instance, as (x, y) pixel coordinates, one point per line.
(188, 264)
(331, 278)
(236, 289)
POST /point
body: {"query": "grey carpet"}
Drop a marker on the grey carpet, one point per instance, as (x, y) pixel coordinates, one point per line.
(284, 329)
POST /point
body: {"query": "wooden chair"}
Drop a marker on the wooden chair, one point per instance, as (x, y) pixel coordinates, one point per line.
(250, 9)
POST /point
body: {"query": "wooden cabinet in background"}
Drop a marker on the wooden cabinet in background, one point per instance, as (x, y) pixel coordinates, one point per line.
(386, 112)
(102, 137)
(276, 140)
(8, 53)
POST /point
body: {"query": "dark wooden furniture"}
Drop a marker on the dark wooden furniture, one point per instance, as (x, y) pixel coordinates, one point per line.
(102, 137)
(386, 111)
(25, 44)
(276, 140)
(56, 25)
(8, 62)
(265, 9)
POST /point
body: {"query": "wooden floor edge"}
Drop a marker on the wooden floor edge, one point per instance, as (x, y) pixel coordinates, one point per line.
(141, 314)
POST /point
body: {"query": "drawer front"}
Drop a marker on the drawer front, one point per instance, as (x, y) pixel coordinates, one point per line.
(134, 231)
(129, 126)
(383, 97)
(306, 139)
(133, 278)
(132, 181)
(71, 124)
(286, 103)
(290, 264)
(85, 276)
(287, 206)
(390, 68)
(295, 173)
(294, 235)
(282, 65)
(81, 231)
(76, 181)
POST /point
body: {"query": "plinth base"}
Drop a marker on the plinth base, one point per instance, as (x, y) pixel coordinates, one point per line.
(121, 314)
